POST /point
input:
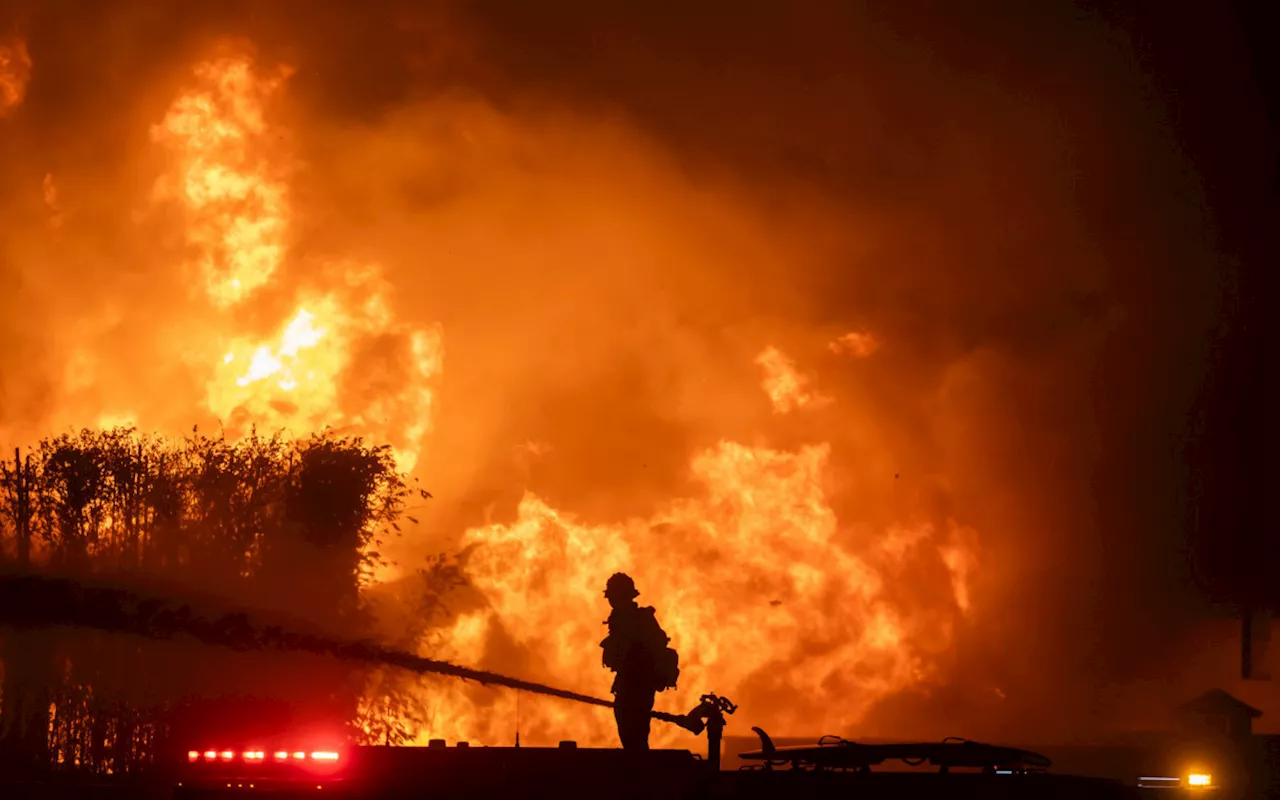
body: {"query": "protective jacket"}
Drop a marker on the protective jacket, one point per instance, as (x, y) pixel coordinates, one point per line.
(636, 649)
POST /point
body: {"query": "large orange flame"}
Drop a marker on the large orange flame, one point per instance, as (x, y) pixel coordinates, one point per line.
(767, 596)
(237, 204)
(340, 359)
(753, 579)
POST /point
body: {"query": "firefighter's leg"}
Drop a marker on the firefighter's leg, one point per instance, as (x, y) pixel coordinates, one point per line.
(623, 718)
(632, 714)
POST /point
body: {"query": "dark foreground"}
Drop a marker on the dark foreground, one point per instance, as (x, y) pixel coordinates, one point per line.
(392, 773)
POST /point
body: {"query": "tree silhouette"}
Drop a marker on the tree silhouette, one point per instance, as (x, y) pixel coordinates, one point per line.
(289, 524)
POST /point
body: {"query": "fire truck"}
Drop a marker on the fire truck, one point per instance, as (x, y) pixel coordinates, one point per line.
(254, 749)
(832, 767)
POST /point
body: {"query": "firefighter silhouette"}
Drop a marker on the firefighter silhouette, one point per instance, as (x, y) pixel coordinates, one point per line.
(636, 649)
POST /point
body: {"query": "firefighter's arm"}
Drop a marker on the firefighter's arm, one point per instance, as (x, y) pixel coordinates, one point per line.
(609, 653)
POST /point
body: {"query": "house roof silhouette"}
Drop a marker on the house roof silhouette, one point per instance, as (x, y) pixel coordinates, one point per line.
(1216, 701)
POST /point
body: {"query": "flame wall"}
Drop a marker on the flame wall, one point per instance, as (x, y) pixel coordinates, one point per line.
(831, 327)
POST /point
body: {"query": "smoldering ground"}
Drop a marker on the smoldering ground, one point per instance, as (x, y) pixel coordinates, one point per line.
(611, 210)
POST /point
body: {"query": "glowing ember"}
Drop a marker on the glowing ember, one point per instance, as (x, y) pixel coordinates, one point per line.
(786, 387)
(15, 72)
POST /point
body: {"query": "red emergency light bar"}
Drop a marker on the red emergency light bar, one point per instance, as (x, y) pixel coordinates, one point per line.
(252, 756)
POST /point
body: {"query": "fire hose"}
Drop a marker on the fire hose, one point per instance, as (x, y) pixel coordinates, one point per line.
(35, 601)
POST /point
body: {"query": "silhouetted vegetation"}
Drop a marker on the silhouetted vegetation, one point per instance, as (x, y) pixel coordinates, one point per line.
(292, 526)
(392, 710)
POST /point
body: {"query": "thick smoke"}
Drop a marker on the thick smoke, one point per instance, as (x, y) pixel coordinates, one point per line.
(612, 212)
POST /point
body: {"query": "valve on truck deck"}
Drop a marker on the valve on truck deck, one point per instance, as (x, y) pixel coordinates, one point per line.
(708, 715)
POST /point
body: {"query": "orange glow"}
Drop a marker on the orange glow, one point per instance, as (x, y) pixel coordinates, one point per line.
(193, 755)
(51, 200)
(227, 755)
(858, 344)
(210, 754)
(324, 755)
(15, 72)
(281, 755)
(1199, 779)
(299, 756)
(252, 755)
(960, 556)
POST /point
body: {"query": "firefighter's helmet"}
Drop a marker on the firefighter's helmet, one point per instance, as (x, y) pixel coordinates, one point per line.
(620, 585)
